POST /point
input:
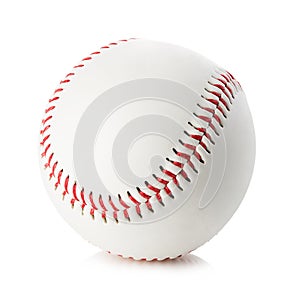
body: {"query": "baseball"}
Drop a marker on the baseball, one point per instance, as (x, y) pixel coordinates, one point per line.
(147, 148)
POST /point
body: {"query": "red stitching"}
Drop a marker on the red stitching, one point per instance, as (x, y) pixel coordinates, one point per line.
(65, 81)
(143, 194)
(53, 99)
(49, 109)
(75, 198)
(102, 203)
(104, 210)
(151, 187)
(136, 202)
(44, 140)
(94, 208)
(115, 209)
(49, 161)
(46, 150)
(226, 85)
(82, 199)
(66, 184)
(52, 174)
(58, 90)
(70, 74)
(45, 129)
(58, 178)
(126, 206)
(46, 119)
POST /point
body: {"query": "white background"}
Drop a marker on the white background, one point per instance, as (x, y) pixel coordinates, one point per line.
(257, 254)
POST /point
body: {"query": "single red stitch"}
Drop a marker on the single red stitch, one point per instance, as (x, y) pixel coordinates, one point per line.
(92, 201)
(218, 119)
(53, 99)
(46, 150)
(65, 81)
(158, 197)
(137, 204)
(122, 202)
(70, 74)
(82, 199)
(95, 53)
(198, 156)
(205, 118)
(74, 191)
(177, 183)
(214, 129)
(192, 166)
(86, 58)
(213, 101)
(143, 194)
(222, 111)
(123, 40)
(58, 179)
(182, 155)
(149, 206)
(176, 163)
(126, 215)
(105, 47)
(112, 204)
(204, 146)
(113, 44)
(212, 111)
(52, 174)
(168, 191)
(46, 119)
(184, 175)
(79, 65)
(167, 172)
(66, 184)
(58, 90)
(138, 210)
(115, 209)
(49, 109)
(160, 180)
(151, 187)
(49, 161)
(102, 203)
(44, 140)
(126, 206)
(187, 145)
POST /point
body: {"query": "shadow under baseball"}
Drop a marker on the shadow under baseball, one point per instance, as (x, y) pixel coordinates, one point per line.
(186, 261)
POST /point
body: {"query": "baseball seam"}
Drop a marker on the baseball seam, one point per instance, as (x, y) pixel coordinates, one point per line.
(219, 93)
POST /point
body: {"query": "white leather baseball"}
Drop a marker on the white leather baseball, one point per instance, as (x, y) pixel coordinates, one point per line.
(147, 148)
